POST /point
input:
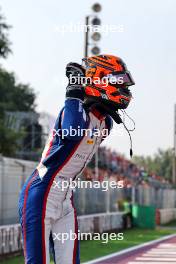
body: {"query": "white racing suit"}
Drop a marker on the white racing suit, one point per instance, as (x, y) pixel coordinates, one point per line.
(46, 210)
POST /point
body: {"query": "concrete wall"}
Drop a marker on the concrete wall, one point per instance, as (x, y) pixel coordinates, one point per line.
(100, 222)
(167, 215)
(13, 173)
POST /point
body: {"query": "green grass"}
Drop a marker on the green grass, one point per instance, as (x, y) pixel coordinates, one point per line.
(94, 249)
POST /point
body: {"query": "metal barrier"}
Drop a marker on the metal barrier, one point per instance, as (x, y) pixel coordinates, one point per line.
(10, 239)
(166, 215)
(13, 173)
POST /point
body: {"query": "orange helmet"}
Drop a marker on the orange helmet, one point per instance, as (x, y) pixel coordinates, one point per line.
(108, 80)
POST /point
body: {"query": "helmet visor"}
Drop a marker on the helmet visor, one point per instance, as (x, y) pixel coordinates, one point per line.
(120, 78)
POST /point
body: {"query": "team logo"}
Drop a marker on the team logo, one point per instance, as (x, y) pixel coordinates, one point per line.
(90, 141)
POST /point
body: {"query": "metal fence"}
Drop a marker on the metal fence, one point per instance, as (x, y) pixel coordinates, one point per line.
(13, 173)
(158, 197)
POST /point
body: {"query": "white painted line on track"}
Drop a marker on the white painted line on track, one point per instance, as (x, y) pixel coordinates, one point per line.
(151, 262)
(159, 259)
(158, 255)
(162, 249)
(164, 245)
(161, 252)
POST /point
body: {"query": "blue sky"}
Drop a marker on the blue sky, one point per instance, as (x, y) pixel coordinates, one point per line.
(148, 46)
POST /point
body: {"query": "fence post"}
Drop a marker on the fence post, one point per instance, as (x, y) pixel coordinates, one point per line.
(1, 189)
(108, 200)
(133, 195)
(23, 167)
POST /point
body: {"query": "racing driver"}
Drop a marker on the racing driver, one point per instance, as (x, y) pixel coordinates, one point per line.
(45, 210)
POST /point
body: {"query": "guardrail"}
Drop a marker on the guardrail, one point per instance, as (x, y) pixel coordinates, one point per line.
(166, 215)
(10, 239)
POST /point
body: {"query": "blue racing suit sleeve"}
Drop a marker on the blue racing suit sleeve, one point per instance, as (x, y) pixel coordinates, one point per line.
(74, 119)
(108, 126)
(109, 123)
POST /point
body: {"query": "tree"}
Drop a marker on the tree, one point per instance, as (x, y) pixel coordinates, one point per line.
(13, 96)
(160, 163)
(8, 140)
(4, 40)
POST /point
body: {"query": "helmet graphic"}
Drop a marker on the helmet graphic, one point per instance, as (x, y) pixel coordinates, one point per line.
(108, 80)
